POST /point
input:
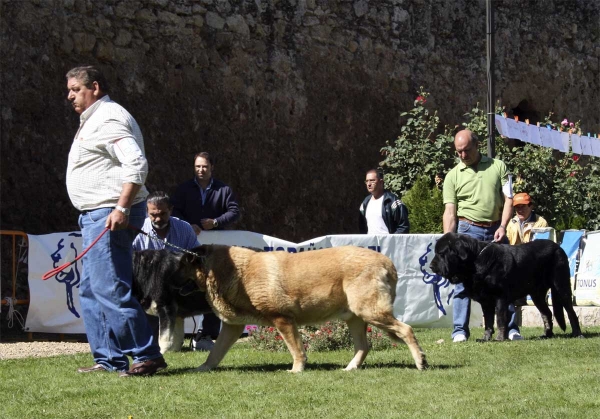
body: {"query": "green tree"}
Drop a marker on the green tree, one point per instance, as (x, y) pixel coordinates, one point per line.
(418, 150)
(425, 207)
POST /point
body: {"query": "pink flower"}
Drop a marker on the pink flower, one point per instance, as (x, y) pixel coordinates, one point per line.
(564, 122)
(421, 99)
(575, 158)
(571, 124)
(572, 174)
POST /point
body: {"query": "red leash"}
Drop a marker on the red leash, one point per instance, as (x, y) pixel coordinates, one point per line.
(54, 271)
(61, 268)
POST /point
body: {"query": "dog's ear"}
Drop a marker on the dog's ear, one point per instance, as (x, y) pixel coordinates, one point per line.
(196, 255)
(465, 248)
(192, 265)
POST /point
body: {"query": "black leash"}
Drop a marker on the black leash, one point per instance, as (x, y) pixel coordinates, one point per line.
(191, 286)
(155, 237)
(486, 246)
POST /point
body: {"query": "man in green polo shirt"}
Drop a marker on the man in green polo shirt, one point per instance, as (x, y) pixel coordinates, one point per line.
(476, 205)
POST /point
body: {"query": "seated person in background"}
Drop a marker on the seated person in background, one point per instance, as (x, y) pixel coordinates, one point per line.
(519, 227)
(160, 226)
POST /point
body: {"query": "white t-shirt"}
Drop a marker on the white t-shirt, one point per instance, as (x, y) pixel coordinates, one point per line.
(375, 222)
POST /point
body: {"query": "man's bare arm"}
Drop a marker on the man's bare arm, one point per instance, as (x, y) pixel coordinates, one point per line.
(116, 219)
(449, 218)
(506, 216)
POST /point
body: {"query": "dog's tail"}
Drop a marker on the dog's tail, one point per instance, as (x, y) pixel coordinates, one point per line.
(557, 307)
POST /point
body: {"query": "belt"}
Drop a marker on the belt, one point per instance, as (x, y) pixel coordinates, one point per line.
(479, 224)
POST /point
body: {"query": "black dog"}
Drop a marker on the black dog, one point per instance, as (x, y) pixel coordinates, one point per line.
(163, 288)
(496, 275)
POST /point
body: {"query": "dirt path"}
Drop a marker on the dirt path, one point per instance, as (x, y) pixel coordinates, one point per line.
(40, 349)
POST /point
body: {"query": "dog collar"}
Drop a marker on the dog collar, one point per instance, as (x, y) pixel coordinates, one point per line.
(486, 246)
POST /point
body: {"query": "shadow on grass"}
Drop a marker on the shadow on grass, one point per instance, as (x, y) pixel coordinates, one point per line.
(559, 335)
(309, 367)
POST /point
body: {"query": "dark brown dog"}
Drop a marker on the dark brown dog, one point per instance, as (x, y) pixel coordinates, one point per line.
(497, 274)
(164, 291)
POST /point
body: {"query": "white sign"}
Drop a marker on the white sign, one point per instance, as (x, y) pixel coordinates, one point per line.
(587, 281)
(423, 299)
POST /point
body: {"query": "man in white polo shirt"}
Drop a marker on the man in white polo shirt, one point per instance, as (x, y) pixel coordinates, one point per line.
(381, 212)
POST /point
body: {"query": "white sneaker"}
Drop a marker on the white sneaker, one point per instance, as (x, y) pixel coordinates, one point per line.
(459, 338)
(515, 336)
(204, 343)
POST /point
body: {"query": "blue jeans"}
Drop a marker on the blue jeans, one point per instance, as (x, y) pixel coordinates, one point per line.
(461, 310)
(114, 321)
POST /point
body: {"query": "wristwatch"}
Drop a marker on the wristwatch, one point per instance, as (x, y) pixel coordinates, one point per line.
(215, 223)
(125, 211)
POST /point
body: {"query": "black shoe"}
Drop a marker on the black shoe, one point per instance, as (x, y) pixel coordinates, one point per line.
(146, 368)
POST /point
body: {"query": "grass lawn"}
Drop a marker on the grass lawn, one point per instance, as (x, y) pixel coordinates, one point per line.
(556, 378)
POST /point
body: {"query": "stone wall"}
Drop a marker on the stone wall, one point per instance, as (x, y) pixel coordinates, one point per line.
(295, 97)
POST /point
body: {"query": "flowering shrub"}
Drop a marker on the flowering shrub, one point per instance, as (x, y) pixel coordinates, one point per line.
(266, 338)
(331, 336)
(565, 187)
(419, 150)
(562, 188)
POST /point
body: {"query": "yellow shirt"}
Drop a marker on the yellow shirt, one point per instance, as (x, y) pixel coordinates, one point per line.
(518, 233)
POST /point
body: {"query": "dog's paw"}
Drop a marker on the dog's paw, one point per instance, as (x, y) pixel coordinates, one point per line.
(202, 368)
(423, 365)
(578, 336)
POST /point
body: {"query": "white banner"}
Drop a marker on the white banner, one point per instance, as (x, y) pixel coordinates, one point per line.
(587, 284)
(423, 299)
(54, 303)
(547, 137)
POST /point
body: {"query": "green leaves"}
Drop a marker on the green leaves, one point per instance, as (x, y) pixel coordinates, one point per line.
(419, 149)
(425, 207)
(565, 188)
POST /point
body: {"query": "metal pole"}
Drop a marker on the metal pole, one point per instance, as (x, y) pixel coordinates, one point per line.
(491, 146)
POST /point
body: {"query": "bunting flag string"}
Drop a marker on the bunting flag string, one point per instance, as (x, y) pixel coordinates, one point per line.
(564, 141)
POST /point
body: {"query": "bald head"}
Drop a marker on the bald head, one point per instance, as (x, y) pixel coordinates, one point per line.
(465, 143)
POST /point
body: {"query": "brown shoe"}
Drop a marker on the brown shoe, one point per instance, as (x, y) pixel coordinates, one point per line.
(146, 368)
(93, 368)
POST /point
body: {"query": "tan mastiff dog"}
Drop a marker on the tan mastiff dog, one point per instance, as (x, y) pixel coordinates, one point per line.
(285, 290)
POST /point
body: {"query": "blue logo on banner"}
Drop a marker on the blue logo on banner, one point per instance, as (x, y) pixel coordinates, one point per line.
(436, 280)
(70, 276)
